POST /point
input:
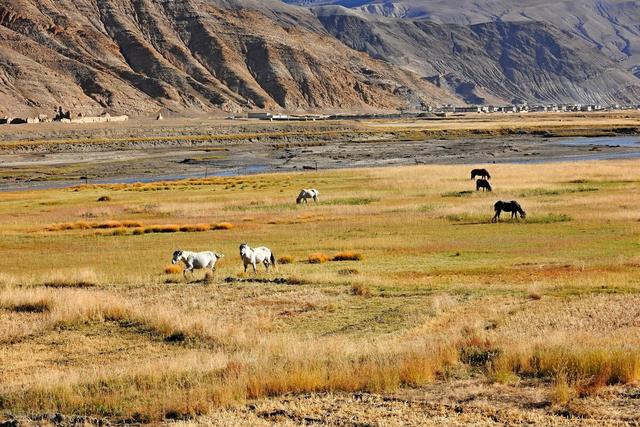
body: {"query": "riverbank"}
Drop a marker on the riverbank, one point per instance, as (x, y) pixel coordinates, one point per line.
(52, 157)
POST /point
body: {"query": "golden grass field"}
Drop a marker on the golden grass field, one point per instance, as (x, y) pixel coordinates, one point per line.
(398, 292)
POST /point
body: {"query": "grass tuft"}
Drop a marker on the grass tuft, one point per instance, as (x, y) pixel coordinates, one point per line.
(39, 306)
(360, 289)
(286, 259)
(222, 226)
(172, 269)
(318, 258)
(189, 228)
(167, 228)
(75, 279)
(347, 256)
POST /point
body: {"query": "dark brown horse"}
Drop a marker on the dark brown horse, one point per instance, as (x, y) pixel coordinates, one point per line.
(483, 184)
(512, 206)
(482, 173)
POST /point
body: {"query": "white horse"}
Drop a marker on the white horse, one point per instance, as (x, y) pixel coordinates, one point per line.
(255, 256)
(310, 193)
(196, 260)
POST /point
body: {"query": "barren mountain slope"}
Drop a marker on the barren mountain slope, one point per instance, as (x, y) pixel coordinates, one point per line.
(193, 56)
(609, 25)
(518, 61)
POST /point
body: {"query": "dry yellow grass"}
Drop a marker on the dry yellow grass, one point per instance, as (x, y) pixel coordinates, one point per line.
(222, 226)
(541, 306)
(360, 289)
(286, 259)
(195, 227)
(318, 258)
(347, 256)
(70, 279)
(173, 269)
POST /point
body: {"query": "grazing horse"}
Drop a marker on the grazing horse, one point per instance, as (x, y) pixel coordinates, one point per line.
(482, 173)
(196, 260)
(305, 194)
(484, 184)
(255, 256)
(512, 206)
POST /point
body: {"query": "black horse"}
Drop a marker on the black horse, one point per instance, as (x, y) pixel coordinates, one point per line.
(512, 206)
(482, 173)
(483, 184)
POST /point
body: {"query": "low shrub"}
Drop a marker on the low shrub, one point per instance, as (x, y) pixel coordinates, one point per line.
(222, 226)
(130, 224)
(318, 258)
(173, 269)
(347, 256)
(188, 228)
(168, 228)
(85, 225)
(286, 259)
(104, 199)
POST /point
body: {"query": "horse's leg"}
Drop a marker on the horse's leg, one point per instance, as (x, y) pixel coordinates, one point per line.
(245, 267)
(253, 264)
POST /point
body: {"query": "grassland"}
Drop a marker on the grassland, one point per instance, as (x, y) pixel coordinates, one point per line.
(397, 299)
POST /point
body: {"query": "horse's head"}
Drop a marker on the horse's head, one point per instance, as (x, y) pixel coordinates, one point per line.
(243, 248)
(177, 255)
(523, 214)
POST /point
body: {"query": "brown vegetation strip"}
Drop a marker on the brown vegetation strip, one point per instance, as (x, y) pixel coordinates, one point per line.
(119, 228)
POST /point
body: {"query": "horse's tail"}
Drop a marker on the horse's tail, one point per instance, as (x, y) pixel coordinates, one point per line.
(273, 260)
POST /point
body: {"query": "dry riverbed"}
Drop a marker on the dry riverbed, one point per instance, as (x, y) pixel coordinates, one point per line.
(32, 157)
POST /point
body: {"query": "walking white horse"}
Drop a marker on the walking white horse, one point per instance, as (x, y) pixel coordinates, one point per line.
(307, 193)
(196, 260)
(255, 256)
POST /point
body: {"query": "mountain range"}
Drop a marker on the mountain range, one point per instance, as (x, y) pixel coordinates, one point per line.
(191, 57)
